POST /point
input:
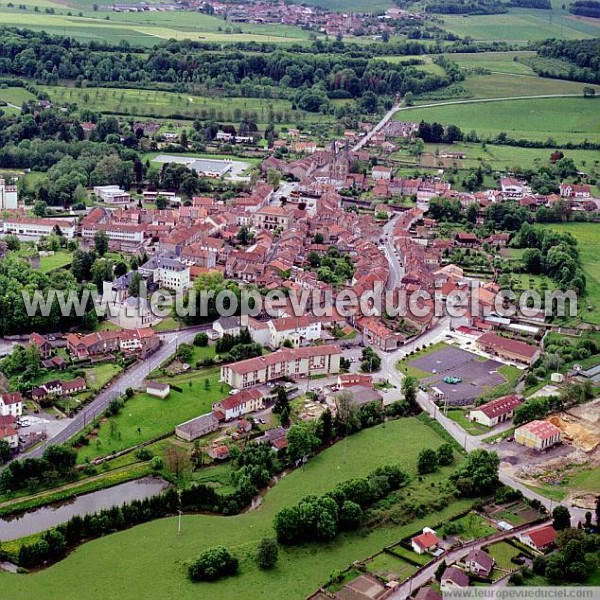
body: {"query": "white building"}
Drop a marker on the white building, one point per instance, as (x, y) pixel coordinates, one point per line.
(8, 195)
(27, 229)
(298, 330)
(112, 194)
(157, 389)
(11, 405)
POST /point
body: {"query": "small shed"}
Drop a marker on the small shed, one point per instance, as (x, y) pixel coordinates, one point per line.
(160, 390)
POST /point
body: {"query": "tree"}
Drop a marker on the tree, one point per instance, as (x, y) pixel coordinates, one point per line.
(445, 455)
(273, 178)
(161, 202)
(440, 570)
(175, 460)
(135, 284)
(597, 511)
(370, 360)
(301, 441)
(561, 518)
(5, 451)
(185, 352)
(101, 242)
(201, 339)
(410, 389)
(213, 564)
(40, 208)
(351, 515)
(478, 474)
(427, 461)
(267, 554)
(282, 406)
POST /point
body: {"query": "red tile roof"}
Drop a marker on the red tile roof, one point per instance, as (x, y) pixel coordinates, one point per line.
(542, 537)
(541, 429)
(500, 406)
(426, 540)
(508, 345)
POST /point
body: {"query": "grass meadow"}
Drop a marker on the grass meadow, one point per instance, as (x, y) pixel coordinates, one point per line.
(117, 566)
(563, 119)
(588, 238)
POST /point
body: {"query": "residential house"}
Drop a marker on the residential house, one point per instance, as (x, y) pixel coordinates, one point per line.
(296, 330)
(9, 434)
(538, 435)
(479, 563)
(134, 341)
(11, 404)
(227, 326)
(44, 346)
(509, 349)
(219, 452)
(240, 404)
(195, 428)
(539, 539)
(496, 411)
(573, 190)
(427, 593)
(381, 173)
(295, 362)
(427, 541)
(275, 437)
(453, 578)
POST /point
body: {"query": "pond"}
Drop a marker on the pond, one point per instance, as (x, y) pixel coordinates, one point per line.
(45, 517)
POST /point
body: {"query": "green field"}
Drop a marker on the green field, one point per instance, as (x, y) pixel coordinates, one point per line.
(496, 62)
(503, 158)
(56, 261)
(161, 104)
(145, 417)
(118, 565)
(563, 119)
(460, 416)
(145, 28)
(588, 237)
(14, 97)
(522, 25)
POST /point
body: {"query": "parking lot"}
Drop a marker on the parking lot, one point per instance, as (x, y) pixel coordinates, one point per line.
(477, 374)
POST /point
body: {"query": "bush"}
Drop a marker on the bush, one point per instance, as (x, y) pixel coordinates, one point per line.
(143, 453)
(267, 554)
(201, 339)
(156, 463)
(213, 564)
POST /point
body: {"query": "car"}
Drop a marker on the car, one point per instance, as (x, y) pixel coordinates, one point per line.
(262, 421)
(234, 391)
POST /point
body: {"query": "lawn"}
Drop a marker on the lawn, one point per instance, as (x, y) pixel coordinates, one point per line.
(110, 566)
(460, 416)
(497, 62)
(472, 526)
(57, 261)
(14, 96)
(563, 119)
(145, 417)
(390, 567)
(502, 552)
(588, 238)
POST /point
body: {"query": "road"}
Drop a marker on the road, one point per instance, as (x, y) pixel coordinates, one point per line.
(131, 378)
(397, 271)
(390, 113)
(420, 579)
(468, 442)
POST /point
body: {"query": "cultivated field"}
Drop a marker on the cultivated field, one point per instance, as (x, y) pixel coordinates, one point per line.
(117, 566)
(522, 25)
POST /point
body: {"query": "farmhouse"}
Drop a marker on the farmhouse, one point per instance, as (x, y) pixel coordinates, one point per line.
(11, 404)
(538, 435)
(239, 404)
(539, 539)
(512, 350)
(195, 428)
(496, 411)
(425, 542)
(296, 362)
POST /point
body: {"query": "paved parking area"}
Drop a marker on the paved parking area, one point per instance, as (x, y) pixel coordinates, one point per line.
(477, 375)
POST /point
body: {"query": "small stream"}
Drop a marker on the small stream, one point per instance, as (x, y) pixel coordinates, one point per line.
(45, 517)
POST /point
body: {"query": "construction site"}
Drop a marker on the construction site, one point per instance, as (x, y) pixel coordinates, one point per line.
(574, 467)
